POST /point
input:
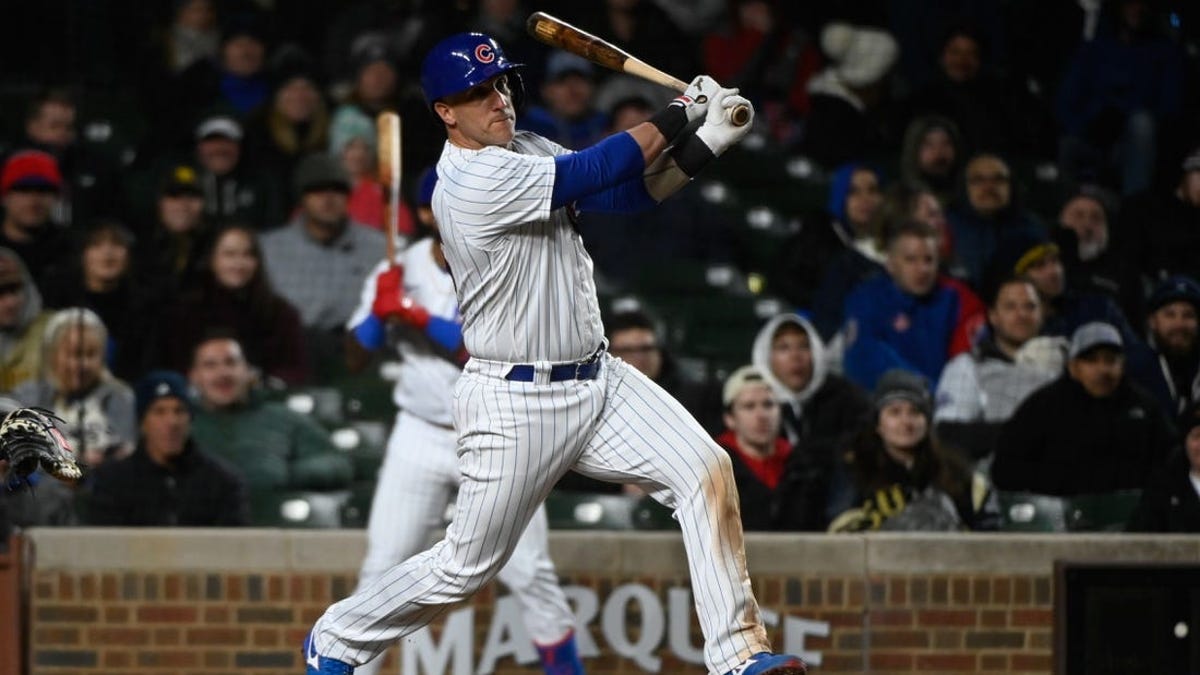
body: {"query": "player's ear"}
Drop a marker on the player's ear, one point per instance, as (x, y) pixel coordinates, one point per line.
(445, 112)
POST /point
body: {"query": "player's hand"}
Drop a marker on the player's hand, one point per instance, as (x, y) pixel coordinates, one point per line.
(392, 304)
(718, 132)
(698, 96)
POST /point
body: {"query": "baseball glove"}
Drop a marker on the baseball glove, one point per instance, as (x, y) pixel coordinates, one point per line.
(29, 438)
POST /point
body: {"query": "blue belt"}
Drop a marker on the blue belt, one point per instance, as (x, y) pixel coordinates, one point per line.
(586, 370)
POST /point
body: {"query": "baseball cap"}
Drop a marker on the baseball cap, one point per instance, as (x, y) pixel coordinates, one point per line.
(1175, 288)
(1092, 335)
(903, 385)
(560, 64)
(30, 170)
(739, 380)
(219, 125)
(181, 180)
(320, 170)
(159, 384)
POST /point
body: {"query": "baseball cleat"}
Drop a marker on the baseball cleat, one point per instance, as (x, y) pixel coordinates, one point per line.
(315, 664)
(766, 663)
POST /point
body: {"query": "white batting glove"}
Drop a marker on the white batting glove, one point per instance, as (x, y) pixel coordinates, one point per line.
(718, 132)
(697, 97)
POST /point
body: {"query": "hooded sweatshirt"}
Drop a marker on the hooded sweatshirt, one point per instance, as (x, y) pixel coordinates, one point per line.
(21, 344)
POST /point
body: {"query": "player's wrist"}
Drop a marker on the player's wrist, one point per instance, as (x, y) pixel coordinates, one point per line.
(671, 120)
(692, 154)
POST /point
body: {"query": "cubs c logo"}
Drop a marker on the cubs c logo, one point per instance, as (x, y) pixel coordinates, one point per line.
(484, 54)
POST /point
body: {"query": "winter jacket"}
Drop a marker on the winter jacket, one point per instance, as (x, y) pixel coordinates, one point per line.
(1170, 502)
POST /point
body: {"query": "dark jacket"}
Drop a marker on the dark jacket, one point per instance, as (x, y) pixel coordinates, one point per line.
(198, 490)
(1170, 502)
(1175, 382)
(789, 506)
(1062, 441)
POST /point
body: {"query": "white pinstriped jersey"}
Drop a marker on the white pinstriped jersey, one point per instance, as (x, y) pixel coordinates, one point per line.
(426, 378)
(524, 280)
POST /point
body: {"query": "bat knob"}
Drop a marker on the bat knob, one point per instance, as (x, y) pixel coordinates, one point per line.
(740, 115)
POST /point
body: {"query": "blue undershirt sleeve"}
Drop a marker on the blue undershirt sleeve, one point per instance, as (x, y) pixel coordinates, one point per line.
(445, 332)
(371, 333)
(607, 164)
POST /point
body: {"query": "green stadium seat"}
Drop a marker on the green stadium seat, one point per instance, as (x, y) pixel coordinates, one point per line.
(648, 514)
(582, 511)
(1106, 512)
(356, 511)
(1028, 512)
(298, 509)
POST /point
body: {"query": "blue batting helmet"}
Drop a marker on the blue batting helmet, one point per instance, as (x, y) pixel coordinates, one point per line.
(460, 62)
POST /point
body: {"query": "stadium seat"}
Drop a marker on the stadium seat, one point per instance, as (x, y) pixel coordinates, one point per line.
(1105, 512)
(582, 511)
(650, 515)
(356, 510)
(298, 509)
(1028, 512)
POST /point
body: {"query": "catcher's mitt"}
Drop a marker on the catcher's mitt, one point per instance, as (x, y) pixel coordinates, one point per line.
(28, 438)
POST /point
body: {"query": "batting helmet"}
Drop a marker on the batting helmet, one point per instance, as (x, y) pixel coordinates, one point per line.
(463, 61)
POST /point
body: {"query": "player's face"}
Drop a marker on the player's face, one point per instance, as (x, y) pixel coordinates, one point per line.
(233, 260)
(1017, 316)
(1098, 370)
(902, 426)
(220, 373)
(912, 262)
(78, 360)
(754, 416)
(480, 116)
(1174, 327)
(1048, 276)
(791, 358)
(639, 348)
(165, 427)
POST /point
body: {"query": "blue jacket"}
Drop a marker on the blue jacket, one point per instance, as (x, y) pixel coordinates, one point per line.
(887, 328)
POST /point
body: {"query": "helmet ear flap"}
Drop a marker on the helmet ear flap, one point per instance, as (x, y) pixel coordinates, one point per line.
(517, 84)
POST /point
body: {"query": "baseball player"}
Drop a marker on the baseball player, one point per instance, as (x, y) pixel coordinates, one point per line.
(540, 395)
(420, 471)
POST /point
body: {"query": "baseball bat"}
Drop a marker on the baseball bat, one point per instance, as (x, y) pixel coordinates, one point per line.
(558, 33)
(387, 129)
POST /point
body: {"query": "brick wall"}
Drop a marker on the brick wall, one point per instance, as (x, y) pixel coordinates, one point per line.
(886, 619)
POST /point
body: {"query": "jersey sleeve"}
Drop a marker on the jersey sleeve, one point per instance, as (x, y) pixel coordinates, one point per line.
(499, 189)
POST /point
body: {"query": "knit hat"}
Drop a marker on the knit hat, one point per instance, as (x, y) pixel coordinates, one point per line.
(30, 169)
(1020, 250)
(739, 380)
(350, 124)
(160, 383)
(1178, 287)
(320, 171)
(560, 64)
(1092, 335)
(903, 385)
(860, 55)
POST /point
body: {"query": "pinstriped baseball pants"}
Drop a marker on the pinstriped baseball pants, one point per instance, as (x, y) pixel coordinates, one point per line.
(516, 439)
(418, 479)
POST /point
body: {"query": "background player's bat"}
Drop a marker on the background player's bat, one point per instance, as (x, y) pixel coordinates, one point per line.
(558, 33)
(387, 129)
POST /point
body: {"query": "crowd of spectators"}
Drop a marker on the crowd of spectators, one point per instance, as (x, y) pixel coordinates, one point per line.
(190, 212)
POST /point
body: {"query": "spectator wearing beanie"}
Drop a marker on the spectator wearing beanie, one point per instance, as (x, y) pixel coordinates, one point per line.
(353, 141)
(845, 97)
(30, 182)
(1090, 431)
(168, 480)
(1171, 503)
(1168, 364)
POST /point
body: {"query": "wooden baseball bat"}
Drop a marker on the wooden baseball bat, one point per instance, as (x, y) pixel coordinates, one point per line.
(387, 129)
(558, 33)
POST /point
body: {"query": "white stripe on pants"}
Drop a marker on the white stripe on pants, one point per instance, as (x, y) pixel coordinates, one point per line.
(418, 479)
(516, 440)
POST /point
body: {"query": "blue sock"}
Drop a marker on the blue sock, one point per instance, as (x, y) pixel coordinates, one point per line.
(561, 658)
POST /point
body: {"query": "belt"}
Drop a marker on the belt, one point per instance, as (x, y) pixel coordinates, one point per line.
(583, 370)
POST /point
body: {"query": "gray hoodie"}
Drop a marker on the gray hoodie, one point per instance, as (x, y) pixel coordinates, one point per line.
(760, 356)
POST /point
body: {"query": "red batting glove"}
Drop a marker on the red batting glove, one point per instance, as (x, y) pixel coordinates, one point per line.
(391, 303)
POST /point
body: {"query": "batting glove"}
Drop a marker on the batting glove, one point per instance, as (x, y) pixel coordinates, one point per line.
(697, 97)
(391, 304)
(718, 132)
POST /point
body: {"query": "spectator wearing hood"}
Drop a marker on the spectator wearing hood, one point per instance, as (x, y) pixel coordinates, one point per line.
(932, 156)
(980, 389)
(1171, 502)
(817, 407)
(1089, 431)
(845, 121)
(1093, 260)
(910, 318)
(22, 322)
(855, 196)
(1168, 364)
(986, 214)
